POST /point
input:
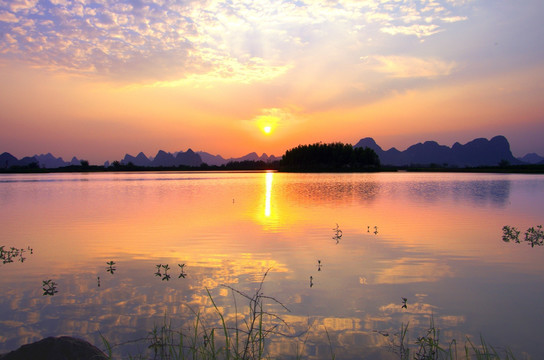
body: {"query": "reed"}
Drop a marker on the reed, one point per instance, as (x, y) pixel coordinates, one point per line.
(245, 337)
(429, 347)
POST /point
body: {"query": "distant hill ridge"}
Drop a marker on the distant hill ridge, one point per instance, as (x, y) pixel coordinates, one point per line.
(47, 161)
(532, 158)
(478, 152)
(190, 158)
(219, 160)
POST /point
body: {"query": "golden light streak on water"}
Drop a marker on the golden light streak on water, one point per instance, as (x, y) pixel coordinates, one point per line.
(269, 179)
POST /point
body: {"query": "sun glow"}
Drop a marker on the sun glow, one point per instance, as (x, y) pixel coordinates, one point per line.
(267, 123)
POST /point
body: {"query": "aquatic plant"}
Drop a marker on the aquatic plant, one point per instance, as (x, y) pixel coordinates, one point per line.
(9, 255)
(165, 275)
(245, 335)
(429, 347)
(182, 273)
(533, 236)
(49, 287)
(375, 232)
(158, 273)
(243, 338)
(337, 234)
(259, 324)
(162, 271)
(111, 268)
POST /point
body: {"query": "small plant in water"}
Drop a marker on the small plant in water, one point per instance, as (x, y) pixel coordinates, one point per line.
(162, 271)
(8, 255)
(49, 287)
(533, 236)
(182, 273)
(158, 273)
(337, 234)
(165, 275)
(111, 268)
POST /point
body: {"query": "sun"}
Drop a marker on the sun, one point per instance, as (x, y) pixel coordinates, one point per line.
(267, 123)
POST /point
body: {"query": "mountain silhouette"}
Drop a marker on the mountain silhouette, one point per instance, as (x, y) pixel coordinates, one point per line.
(75, 161)
(218, 160)
(189, 158)
(532, 158)
(139, 160)
(7, 160)
(478, 152)
(210, 159)
(48, 161)
(164, 159)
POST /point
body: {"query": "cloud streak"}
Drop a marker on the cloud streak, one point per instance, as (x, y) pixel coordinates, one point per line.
(412, 67)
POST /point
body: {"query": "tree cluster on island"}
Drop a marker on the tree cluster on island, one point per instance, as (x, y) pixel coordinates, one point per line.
(333, 157)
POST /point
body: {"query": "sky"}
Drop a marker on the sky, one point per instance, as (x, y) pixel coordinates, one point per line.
(98, 79)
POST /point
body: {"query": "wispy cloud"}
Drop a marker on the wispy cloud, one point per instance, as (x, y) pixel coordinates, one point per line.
(168, 40)
(7, 17)
(415, 30)
(411, 67)
(453, 19)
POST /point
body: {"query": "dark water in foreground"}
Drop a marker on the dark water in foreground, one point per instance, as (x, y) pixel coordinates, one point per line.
(434, 239)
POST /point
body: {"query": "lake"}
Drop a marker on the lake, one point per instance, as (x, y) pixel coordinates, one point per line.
(353, 257)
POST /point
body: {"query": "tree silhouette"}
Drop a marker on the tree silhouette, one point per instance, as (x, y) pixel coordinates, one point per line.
(329, 157)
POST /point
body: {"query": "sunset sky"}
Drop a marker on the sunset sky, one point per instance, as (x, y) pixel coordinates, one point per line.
(100, 78)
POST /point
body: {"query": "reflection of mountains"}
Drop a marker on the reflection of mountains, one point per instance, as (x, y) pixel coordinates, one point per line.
(478, 192)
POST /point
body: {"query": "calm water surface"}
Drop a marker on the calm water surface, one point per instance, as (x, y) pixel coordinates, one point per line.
(434, 239)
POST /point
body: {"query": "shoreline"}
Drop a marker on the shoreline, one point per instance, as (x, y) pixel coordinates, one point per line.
(513, 169)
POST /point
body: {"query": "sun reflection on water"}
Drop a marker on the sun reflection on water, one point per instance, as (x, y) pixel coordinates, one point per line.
(269, 179)
(267, 214)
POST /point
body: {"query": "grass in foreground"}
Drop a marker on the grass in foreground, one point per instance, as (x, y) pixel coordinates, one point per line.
(428, 347)
(246, 338)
